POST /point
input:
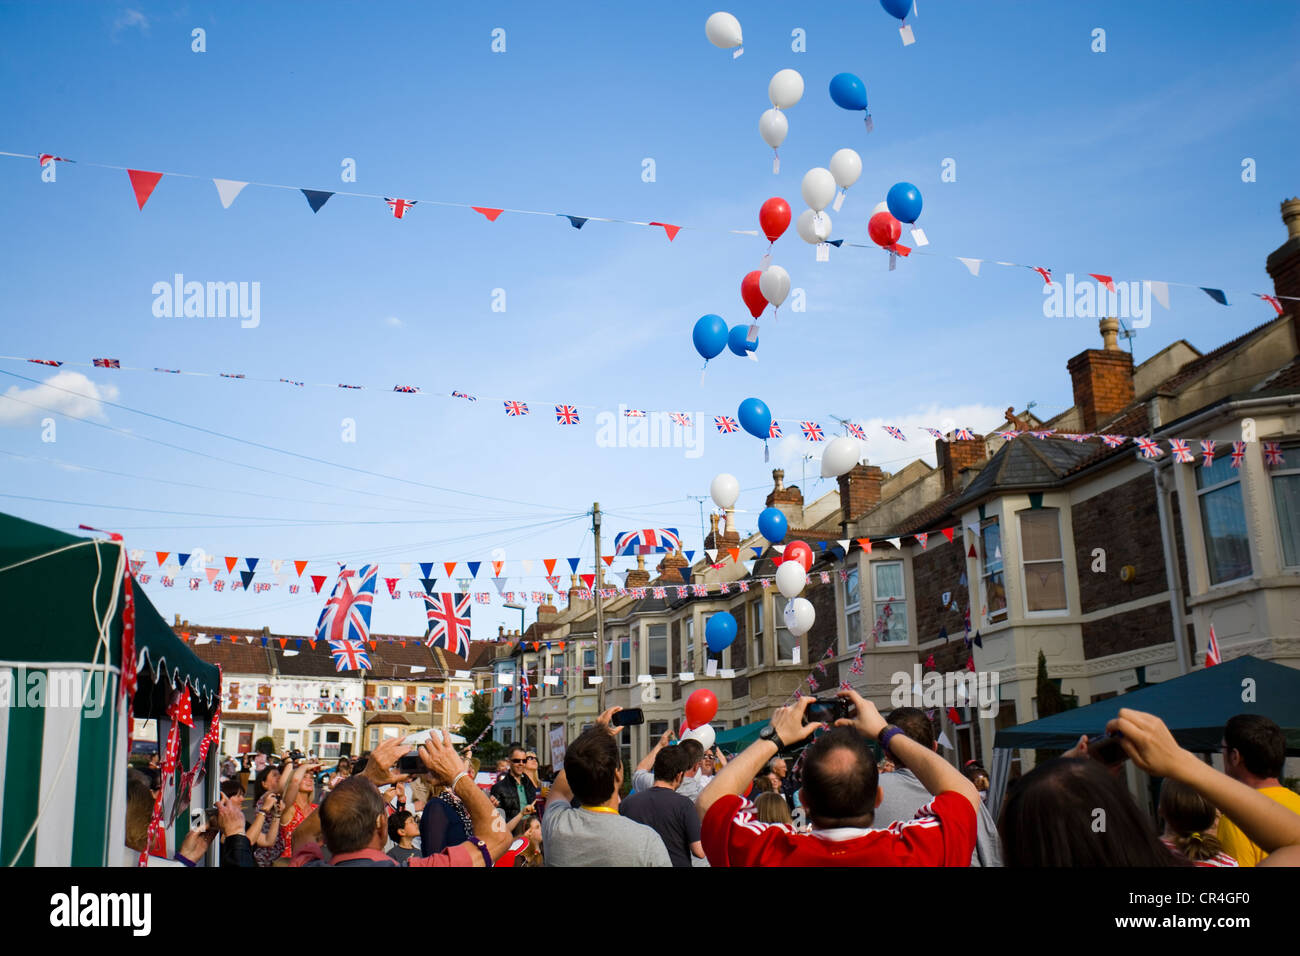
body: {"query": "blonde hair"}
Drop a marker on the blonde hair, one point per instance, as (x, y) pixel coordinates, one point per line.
(772, 808)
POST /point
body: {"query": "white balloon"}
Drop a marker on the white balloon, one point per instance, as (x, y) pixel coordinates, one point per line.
(785, 89)
(724, 490)
(773, 127)
(840, 456)
(846, 167)
(804, 226)
(799, 615)
(723, 30)
(790, 578)
(880, 207)
(703, 733)
(774, 283)
(818, 188)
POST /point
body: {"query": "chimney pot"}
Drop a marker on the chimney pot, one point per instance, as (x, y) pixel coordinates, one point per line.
(1291, 216)
(1110, 334)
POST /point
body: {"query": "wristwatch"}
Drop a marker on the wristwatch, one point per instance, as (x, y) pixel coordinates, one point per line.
(769, 733)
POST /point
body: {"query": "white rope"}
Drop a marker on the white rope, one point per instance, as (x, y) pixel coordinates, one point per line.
(48, 554)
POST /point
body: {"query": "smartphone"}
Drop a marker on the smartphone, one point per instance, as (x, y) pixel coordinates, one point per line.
(628, 717)
(826, 711)
(1107, 750)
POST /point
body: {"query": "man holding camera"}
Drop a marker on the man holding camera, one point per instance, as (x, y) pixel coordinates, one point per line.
(840, 794)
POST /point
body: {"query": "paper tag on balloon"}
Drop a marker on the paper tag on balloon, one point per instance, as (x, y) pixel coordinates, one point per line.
(839, 200)
(870, 125)
(918, 237)
(753, 356)
(767, 261)
(592, 681)
(753, 333)
(711, 669)
(906, 33)
(776, 165)
(795, 654)
(893, 261)
(727, 672)
(823, 252)
(737, 52)
(686, 676)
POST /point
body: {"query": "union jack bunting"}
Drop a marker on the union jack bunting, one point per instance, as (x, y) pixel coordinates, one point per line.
(659, 592)
(964, 434)
(1149, 448)
(680, 418)
(699, 590)
(744, 586)
(857, 431)
(1113, 441)
(45, 362)
(1045, 273)
(1207, 452)
(566, 414)
(1238, 453)
(482, 597)
(1181, 452)
(724, 588)
(1273, 301)
(894, 432)
(194, 584)
(826, 577)
(638, 593)
(286, 381)
(774, 431)
(681, 590)
(1008, 435)
(468, 398)
(936, 433)
(634, 413)
(515, 409)
(1078, 438)
(1043, 433)
(106, 363)
(346, 615)
(349, 656)
(219, 584)
(341, 385)
(1273, 454)
(410, 389)
(449, 621)
(647, 541)
(725, 425)
(232, 375)
(399, 206)
(176, 371)
(811, 431)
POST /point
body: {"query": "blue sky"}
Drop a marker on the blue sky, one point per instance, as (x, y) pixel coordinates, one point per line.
(1126, 162)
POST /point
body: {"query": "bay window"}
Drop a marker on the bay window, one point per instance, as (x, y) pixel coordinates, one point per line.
(890, 602)
(1041, 559)
(1223, 520)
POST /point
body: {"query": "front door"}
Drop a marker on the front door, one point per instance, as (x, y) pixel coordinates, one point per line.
(245, 741)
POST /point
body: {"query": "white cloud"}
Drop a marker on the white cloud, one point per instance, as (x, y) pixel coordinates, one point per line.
(130, 18)
(393, 322)
(69, 393)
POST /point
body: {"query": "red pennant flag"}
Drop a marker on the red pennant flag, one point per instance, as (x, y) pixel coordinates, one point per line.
(947, 533)
(929, 661)
(1106, 281)
(283, 641)
(550, 566)
(536, 645)
(180, 710)
(496, 568)
(587, 579)
(392, 586)
(562, 645)
(971, 553)
(312, 643)
(316, 581)
(372, 645)
(450, 566)
(143, 183)
(403, 643)
(953, 715)
(490, 213)
(162, 556)
(865, 544)
(608, 559)
(230, 564)
(970, 663)
(671, 230)
(735, 554)
(301, 566)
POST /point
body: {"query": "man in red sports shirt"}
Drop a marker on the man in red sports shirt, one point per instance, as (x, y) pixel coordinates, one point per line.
(840, 793)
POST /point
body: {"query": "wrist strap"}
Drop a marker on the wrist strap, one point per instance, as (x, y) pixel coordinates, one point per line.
(482, 848)
(888, 734)
(456, 779)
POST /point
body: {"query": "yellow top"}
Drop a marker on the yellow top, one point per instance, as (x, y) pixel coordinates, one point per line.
(601, 809)
(1239, 846)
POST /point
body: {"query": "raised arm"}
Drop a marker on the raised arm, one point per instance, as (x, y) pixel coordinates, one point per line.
(648, 762)
(448, 768)
(737, 774)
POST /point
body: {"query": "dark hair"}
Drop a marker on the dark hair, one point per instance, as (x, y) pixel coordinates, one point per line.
(590, 764)
(1051, 819)
(395, 824)
(833, 791)
(139, 809)
(348, 815)
(772, 808)
(762, 784)
(669, 762)
(1260, 742)
(259, 782)
(913, 723)
(232, 787)
(1191, 817)
(521, 828)
(516, 748)
(694, 750)
(973, 770)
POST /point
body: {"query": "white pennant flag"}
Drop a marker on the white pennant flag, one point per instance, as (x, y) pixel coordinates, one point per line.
(712, 555)
(405, 568)
(844, 543)
(944, 742)
(779, 548)
(973, 265)
(228, 189)
(1160, 290)
(276, 565)
(528, 565)
(893, 541)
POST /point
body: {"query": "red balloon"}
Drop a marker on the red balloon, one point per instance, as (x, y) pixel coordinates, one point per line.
(884, 229)
(799, 551)
(752, 294)
(774, 217)
(701, 707)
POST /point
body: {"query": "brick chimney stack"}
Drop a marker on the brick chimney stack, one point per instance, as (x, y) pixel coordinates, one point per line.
(953, 456)
(639, 577)
(546, 610)
(859, 491)
(788, 500)
(668, 568)
(710, 539)
(1102, 379)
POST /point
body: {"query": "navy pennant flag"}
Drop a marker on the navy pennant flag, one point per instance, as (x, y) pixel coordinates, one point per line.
(316, 198)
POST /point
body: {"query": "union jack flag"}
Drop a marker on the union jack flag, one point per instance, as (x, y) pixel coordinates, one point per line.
(1043, 433)
(107, 363)
(1212, 654)
(1238, 453)
(647, 541)
(894, 432)
(409, 389)
(1080, 438)
(1207, 452)
(936, 433)
(1181, 452)
(515, 409)
(725, 424)
(346, 615)
(566, 414)
(1273, 454)
(231, 375)
(525, 691)
(1008, 435)
(1273, 301)
(1045, 273)
(46, 362)
(811, 431)
(857, 431)
(1113, 441)
(774, 431)
(483, 597)
(634, 413)
(1149, 448)
(680, 418)
(659, 592)
(449, 618)
(468, 398)
(964, 434)
(350, 386)
(349, 656)
(399, 206)
(287, 381)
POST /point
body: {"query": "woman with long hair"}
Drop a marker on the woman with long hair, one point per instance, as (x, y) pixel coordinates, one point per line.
(772, 808)
(1190, 820)
(529, 828)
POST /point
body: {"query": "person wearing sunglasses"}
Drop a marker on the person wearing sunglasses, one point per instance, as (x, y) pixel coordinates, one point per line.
(515, 791)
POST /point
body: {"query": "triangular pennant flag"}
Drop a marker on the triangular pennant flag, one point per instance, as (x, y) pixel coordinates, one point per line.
(735, 554)
(473, 567)
(671, 230)
(184, 559)
(1160, 290)
(428, 585)
(230, 564)
(865, 544)
(252, 563)
(686, 575)
(947, 533)
(490, 213)
(844, 544)
(821, 545)
(501, 585)
(527, 564)
(496, 568)
(161, 556)
(758, 551)
(549, 564)
(894, 542)
(573, 565)
(587, 579)
(971, 552)
(978, 643)
(248, 578)
(300, 567)
(316, 581)
(283, 642)
(711, 555)
(779, 548)
(608, 559)
(211, 573)
(577, 222)
(1215, 294)
(450, 566)
(143, 183)
(972, 265)
(228, 189)
(316, 198)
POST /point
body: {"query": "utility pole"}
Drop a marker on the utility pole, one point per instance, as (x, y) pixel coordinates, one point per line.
(600, 614)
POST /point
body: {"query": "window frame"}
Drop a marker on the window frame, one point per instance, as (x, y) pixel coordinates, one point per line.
(1273, 475)
(777, 628)
(852, 573)
(650, 638)
(1201, 493)
(758, 657)
(688, 643)
(1025, 562)
(892, 601)
(1002, 614)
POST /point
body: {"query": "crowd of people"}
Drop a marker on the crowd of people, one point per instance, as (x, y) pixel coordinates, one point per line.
(870, 790)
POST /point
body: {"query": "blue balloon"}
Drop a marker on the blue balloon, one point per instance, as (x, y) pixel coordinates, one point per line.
(755, 418)
(738, 340)
(848, 92)
(904, 201)
(898, 9)
(772, 525)
(710, 336)
(719, 632)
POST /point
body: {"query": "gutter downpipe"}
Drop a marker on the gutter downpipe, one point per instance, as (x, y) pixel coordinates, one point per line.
(1159, 471)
